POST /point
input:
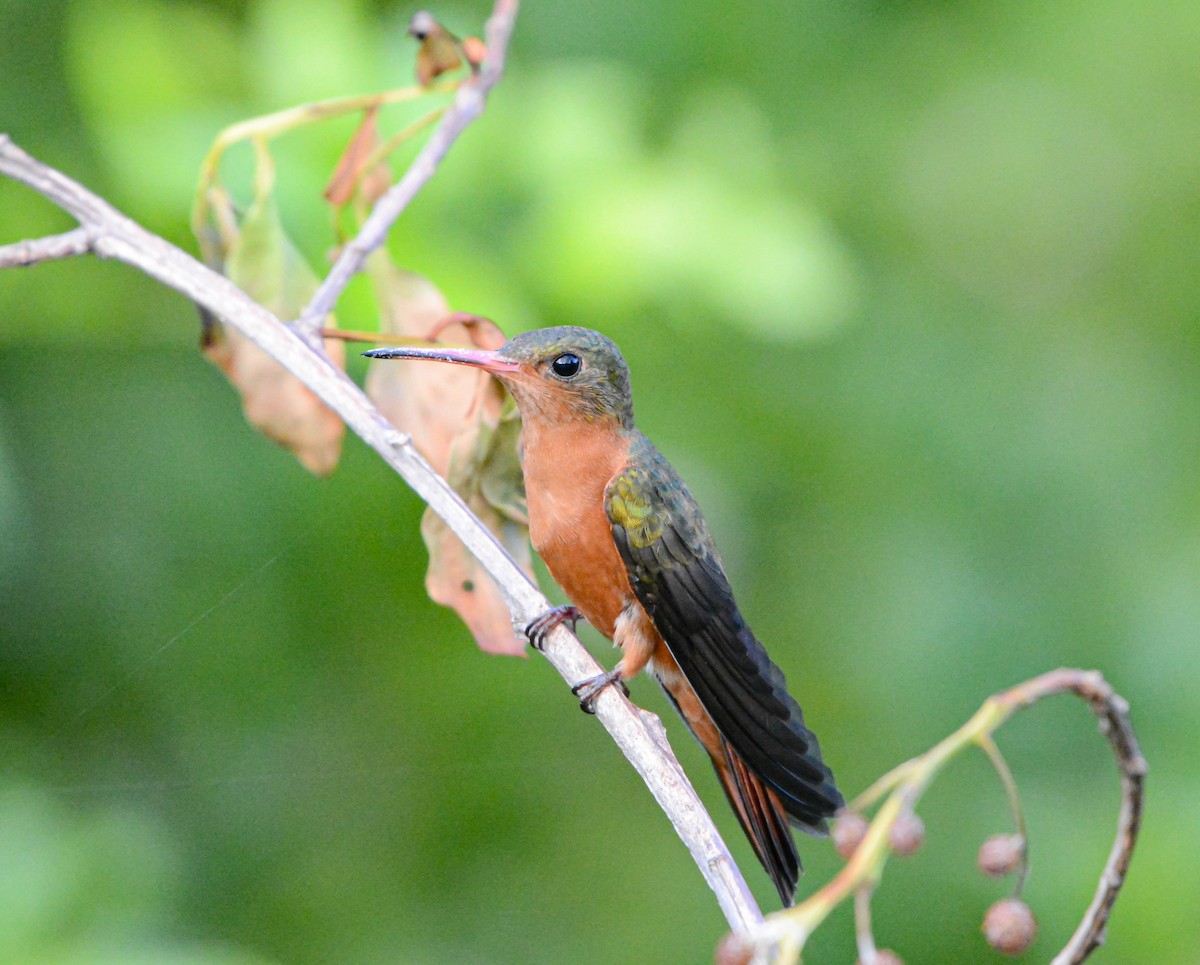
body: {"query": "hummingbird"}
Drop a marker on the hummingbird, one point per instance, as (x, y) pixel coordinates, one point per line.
(621, 534)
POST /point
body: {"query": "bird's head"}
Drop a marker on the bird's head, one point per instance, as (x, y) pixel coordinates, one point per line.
(560, 374)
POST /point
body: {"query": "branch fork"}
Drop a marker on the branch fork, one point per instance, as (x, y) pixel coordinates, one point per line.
(107, 233)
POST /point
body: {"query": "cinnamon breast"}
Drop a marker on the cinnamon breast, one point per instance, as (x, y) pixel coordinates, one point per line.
(567, 469)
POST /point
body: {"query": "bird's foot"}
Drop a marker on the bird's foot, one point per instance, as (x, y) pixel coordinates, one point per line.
(556, 616)
(588, 690)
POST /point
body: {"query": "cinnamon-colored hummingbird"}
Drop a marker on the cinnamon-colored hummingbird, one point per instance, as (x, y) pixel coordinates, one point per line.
(626, 541)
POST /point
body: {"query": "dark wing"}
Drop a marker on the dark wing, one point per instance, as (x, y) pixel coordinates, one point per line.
(677, 575)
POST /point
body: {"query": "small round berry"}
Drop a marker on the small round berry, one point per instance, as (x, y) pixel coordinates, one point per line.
(848, 831)
(885, 956)
(1009, 926)
(475, 50)
(734, 950)
(1001, 855)
(907, 834)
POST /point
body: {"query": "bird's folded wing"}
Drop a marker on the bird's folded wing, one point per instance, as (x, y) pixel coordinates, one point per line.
(678, 577)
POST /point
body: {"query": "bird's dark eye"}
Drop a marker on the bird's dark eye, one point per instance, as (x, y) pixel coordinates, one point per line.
(566, 365)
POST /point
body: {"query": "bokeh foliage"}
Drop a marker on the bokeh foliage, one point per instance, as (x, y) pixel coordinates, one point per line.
(910, 297)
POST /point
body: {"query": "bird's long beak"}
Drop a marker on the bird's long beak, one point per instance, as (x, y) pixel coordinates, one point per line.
(492, 362)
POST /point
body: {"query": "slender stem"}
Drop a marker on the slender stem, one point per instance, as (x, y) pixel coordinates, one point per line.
(784, 933)
(881, 787)
(374, 338)
(468, 105)
(77, 241)
(380, 153)
(865, 938)
(272, 125)
(1115, 724)
(400, 137)
(1014, 803)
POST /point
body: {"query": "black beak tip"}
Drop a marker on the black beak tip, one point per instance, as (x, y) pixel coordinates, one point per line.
(376, 353)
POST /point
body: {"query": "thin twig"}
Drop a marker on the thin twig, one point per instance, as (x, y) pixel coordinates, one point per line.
(782, 936)
(1004, 772)
(116, 236)
(468, 105)
(372, 161)
(863, 935)
(268, 126)
(1113, 712)
(400, 137)
(77, 241)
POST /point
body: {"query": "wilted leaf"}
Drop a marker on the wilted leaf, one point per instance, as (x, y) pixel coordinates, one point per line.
(455, 578)
(428, 401)
(349, 172)
(485, 453)
(483, 450)
(501, 479)
(261, 260)
(439, 51)
(463, 423)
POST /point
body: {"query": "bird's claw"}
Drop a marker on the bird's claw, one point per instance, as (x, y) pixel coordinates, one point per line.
(588, 690)
(537, 628)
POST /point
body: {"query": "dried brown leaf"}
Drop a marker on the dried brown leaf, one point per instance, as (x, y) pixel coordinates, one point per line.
(350, 167)
(485, 470)
(462, 421)
(266, 265)
(455, 578)
(439, 50)
(430, 402)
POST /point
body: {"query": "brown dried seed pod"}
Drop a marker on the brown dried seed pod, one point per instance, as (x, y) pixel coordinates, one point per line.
(1009, 926)
(1001, 855)
(907, 835)
(848, 831)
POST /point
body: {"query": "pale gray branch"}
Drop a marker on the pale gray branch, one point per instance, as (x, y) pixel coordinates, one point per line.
(115, 236)
(468, 105)
(78, 241)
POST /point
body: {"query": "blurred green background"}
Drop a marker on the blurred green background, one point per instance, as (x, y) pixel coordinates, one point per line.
(909, 292)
